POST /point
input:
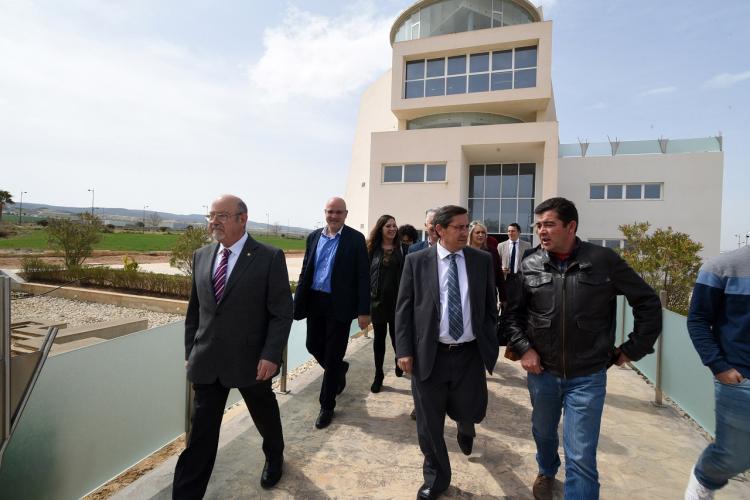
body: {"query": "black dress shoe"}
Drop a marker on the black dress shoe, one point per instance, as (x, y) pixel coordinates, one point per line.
(413, 414)
(342, 380)
(324, 419)
(377, 384)
(465, 443)
(427, 493)
(271, 473)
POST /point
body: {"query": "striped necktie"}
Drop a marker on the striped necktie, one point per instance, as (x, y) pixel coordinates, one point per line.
(220, 278)
(455, 314)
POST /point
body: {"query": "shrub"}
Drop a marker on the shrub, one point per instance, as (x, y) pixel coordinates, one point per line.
(129, 264)
(182, 253)
(74, 238)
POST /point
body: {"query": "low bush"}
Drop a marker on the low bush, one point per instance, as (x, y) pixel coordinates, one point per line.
(129, 281)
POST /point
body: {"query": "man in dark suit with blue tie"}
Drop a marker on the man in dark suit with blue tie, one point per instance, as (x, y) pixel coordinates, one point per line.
(333, 289)
(446, 315)
(237, 324)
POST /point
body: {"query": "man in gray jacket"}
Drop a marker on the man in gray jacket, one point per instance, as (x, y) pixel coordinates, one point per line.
(236, 327)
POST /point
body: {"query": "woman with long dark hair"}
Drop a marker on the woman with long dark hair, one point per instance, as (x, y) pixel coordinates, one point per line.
(386, 262)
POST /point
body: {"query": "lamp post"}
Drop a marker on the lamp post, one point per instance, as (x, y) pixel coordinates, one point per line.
(144, 217)
(738, 240)
(20, 208)
(747, 237)
(92, 204)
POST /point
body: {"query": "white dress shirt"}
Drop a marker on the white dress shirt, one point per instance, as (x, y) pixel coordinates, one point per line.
(463, 284)
(236, 249)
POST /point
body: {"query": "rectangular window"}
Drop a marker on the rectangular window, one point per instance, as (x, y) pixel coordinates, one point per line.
(456, 65)
(614, 191)
(652, 191)
(646, 191)
(479, 83)
(415, 70)
(435, 67)
(435, 173)
(596, 192)
(479, 63)
(434, 86)
(455, 85)
(414, 173)
(392, 173)
(633, 191)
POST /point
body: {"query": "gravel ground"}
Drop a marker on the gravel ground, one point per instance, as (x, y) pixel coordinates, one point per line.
(77, 313)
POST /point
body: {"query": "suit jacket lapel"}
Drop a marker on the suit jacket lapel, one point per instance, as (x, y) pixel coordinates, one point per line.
(246, 256)
(471, 276)
(207, 271)
(432, 273)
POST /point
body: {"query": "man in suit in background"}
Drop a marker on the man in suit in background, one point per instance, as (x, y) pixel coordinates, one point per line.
(429, 231)
(333, 289)
(237, 324)
(512, 250)
(445, 334)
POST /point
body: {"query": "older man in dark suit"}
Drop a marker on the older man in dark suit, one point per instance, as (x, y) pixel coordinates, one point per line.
(446, 316)
(236, 327)
(333, 289)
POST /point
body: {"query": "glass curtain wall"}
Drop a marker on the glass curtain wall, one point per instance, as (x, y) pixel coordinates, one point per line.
(500, 194)
(456, 16)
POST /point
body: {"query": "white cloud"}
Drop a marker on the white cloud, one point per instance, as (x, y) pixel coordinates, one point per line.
(658, 90)
(726, 80)
(322, 57)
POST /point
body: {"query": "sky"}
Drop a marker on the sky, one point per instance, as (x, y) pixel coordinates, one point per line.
(170, 103)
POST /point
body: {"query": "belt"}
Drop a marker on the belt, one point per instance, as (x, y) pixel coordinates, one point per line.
(455, 347)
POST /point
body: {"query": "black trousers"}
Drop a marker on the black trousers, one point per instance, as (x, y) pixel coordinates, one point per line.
(327, 339)
(378, 345)
(457, 387)
(197, 460)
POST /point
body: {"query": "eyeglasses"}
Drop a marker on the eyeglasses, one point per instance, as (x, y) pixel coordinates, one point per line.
(459, 227)
(221, 217)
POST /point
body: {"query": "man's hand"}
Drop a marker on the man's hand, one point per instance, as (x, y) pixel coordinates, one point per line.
(363, 320)
(406, 363)
(531, 362)
(266, 369)
(622, 358)
(730, 377)
(186, 364)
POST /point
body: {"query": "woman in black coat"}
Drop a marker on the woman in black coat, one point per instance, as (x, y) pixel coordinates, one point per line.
(386, 263)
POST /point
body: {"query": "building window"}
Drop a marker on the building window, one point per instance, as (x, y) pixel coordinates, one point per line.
(414, 172)
(502, 194)
(614, 244)
(646, 191)
(443, 17)
(480, 72)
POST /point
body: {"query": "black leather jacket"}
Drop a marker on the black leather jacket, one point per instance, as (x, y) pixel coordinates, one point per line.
(376, 262)
(568, 316)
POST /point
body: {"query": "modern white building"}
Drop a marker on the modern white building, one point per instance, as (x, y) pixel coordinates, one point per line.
(466, 115)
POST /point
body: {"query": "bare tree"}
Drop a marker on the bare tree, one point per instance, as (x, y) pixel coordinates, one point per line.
(154, 219)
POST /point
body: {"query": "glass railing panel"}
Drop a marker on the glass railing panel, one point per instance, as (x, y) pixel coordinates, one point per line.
(685, 380)
(638, 148)
(698, 145)
(95, 412)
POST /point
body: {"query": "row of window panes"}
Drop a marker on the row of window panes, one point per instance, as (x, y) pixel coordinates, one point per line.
(497, 215)
(511, 180)
(514, 68)
(414, 172)
(609, 243)
(650, 191)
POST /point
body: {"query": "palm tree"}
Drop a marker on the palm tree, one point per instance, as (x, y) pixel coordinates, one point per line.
(5, 198)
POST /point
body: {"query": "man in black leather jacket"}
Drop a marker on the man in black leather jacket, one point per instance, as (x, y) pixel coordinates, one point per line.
(562, 324)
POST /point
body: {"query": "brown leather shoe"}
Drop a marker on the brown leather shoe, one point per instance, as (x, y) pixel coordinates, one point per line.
(542, 488)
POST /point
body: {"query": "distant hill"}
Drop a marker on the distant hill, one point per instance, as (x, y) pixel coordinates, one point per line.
(131, 216)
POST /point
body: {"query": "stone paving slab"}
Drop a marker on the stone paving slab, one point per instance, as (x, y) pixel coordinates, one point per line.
(370, 450)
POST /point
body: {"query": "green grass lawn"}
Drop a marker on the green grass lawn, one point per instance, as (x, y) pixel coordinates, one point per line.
(129, 242)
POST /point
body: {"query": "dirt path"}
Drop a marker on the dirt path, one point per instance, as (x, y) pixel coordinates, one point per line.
(13, 260)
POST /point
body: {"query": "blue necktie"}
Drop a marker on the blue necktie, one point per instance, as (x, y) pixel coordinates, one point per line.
(455, 315)
(512, 266)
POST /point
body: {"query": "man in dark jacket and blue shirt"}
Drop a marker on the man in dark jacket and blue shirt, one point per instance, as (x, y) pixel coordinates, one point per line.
(719, 325)
(562, 324)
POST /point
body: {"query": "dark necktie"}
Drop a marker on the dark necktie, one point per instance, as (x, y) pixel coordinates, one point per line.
(512, 263)
(455, 315)
(220, 278)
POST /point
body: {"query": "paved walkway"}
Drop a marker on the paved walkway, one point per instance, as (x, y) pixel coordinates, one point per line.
(370, 450)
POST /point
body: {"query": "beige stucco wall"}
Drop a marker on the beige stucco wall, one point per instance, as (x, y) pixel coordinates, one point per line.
(691, 195)
(374, 116)
(458, 148)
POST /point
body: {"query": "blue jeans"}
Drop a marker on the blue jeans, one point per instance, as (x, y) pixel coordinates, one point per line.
(729, 454)
(582, 400)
